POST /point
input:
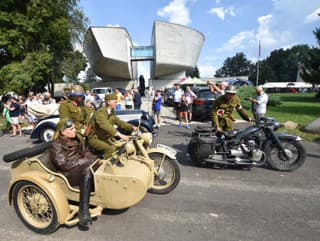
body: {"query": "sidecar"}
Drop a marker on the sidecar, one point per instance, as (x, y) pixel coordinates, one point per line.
(43, 198)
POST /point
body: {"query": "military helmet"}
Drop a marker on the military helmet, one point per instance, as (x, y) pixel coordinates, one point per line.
(110, 97)
(231, 89)
(76, 90)
(62, 125)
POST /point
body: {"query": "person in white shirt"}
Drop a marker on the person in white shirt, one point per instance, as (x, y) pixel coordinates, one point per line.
(177, 99)
(259, 103)
(31, 100)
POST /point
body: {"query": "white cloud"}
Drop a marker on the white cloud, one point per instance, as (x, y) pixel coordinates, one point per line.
(264, 33)
(238, 41)
(222, 12)
(206, 71)
(312, 17)
(113, 25)
(176, 11)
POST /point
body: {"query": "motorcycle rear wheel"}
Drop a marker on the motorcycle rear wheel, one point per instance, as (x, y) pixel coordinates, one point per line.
(168, 174)
(276, 158)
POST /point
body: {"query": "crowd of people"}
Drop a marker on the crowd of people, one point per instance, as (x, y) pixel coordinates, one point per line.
(15, 109)
(224, 105)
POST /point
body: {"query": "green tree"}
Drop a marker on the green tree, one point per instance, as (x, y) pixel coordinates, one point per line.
(193, 73)
(311, 67)
(90, 75)
(73, 64)
(238, 65)
(35, 38)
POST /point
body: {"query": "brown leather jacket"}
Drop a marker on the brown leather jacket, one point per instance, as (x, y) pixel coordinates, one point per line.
(71, 158)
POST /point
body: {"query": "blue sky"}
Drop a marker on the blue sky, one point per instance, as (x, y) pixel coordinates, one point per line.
(229, 26)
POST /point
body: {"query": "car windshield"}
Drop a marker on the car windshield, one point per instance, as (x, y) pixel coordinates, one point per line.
(99, 91)
(170, 91)
(206, 94)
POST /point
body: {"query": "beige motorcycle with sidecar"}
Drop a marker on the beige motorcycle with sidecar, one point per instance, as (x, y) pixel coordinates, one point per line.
(43, 198)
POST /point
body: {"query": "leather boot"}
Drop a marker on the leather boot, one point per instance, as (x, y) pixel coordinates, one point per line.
(84, 214)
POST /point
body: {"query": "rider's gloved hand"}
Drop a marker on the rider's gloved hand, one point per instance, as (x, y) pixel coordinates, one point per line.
(122, 136)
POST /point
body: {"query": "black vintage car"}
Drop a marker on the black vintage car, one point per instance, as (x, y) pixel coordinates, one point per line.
(45, 127)
(202, 105)
(168, 96)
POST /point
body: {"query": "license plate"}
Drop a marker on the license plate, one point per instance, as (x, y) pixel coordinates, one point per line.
(167, 148)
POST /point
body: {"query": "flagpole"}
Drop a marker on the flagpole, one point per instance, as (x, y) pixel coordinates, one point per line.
(257, 79)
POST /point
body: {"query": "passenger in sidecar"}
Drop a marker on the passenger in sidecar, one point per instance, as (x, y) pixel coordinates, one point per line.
(73, 159)
(44, 198)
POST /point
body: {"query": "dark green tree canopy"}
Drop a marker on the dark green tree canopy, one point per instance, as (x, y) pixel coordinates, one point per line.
(193, 73)
(36, 38)
(311, 67)
(238, 65)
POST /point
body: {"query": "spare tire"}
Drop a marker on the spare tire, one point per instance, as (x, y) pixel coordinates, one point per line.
(28, 152)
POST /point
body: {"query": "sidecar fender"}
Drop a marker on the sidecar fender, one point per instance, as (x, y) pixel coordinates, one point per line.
(51, 188)
(162, 151)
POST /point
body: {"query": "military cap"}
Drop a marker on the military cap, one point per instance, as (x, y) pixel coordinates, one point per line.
(111, 97)
(231, 89)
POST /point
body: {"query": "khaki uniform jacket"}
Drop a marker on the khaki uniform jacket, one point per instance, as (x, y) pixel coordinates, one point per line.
(68, 109)
(225, 121)
(103, 125)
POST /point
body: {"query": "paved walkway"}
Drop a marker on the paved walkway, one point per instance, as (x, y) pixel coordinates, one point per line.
(168, 116)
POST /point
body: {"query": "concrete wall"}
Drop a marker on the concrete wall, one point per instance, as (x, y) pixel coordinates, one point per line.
(108, 52)
(177, 48)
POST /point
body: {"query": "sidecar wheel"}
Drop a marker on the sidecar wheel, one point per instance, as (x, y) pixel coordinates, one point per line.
(169, 174)
(276, 159)
(34, 207)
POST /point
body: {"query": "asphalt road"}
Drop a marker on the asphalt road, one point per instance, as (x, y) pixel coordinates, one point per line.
(208, 204)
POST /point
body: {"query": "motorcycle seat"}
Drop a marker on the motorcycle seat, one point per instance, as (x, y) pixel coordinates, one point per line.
(203, 129)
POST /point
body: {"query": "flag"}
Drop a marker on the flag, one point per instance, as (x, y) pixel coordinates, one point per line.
(259, 54)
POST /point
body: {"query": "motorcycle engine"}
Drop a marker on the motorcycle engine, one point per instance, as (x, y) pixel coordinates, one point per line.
(248, 150)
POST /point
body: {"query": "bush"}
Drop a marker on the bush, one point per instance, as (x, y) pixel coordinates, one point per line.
(274, 100)
(245, 91)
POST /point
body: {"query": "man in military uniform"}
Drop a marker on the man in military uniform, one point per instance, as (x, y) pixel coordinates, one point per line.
(223, 107)
(73, 108)
(103, 136)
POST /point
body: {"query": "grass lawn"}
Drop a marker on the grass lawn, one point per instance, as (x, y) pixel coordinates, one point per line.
(301, 108)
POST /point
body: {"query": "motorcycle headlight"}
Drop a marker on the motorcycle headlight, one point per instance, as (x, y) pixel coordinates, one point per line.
(147, 138)
(130, 149)
(276, 125)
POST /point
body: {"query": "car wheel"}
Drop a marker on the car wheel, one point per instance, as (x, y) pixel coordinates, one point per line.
(47, 134)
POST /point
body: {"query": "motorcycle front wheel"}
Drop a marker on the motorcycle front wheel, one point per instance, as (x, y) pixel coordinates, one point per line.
(277, 160)
(167, 173)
